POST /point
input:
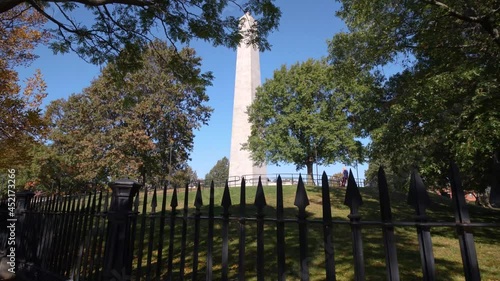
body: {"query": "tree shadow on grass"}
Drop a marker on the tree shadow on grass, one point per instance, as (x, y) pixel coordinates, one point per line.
(448, 267)
(445, 243)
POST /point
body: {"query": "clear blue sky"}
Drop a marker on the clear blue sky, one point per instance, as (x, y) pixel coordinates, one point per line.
(304, 30)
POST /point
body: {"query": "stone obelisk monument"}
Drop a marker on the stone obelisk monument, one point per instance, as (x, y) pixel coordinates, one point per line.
(246, 82)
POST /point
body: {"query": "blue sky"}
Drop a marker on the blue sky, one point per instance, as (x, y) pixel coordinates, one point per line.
(304, 30)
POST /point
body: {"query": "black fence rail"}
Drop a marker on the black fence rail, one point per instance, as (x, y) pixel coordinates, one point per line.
(133, 235)
(286, 178)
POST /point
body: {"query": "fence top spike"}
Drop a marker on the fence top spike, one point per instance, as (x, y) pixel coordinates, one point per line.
(383, 190)
(198, 201)
(136, 202)
(186, 197)
(417, 196)
(226, 197)
(212, 191)
(455, 180)
(455, 175)
(260, 198)
(154, 202)
(352, 196)
(301, 199)
(173, 202)
(279, 197)
(326, 204)
(324, 180)
(495, 178)
(461, 212)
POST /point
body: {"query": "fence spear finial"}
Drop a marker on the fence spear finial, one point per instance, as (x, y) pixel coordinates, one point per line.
(352, 196)
(198, 201)
(383, 189)
(173, 202)
(154, 201)
(417, 196)
(226, 197)
(260, 198)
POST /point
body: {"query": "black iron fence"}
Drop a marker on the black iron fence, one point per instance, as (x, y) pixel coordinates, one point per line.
(286, 178)
(125, 235)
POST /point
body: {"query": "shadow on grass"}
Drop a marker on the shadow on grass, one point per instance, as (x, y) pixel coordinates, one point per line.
(445, 244)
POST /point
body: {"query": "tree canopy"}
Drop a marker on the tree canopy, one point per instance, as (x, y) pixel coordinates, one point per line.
(119, 23)
(20, 117)
(219, 172)
(443, 104)
(300, 117)
(133, 124)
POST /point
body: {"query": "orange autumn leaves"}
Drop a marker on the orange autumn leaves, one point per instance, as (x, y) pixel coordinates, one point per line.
(21, 30)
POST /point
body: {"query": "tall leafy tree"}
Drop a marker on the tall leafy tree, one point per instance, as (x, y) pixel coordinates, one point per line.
(118, 23)
(138, 123)
(219, 172)
(300, 117)
(51, 172)
(20, 119)
(443, 103)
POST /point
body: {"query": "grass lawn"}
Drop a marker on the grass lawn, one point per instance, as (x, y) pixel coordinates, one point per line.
(446, 247)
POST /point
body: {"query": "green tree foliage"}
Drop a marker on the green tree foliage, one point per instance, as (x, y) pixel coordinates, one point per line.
(51, 172)
(134, 124)
(117, 24)
(219, 172)
(299, 117)
(399, 180)
(184, 176)
(443, 104)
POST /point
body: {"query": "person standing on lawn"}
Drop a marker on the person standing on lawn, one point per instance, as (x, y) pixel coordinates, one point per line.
(345, 175)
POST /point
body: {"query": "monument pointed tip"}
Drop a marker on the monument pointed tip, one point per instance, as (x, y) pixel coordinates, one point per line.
(247, 14)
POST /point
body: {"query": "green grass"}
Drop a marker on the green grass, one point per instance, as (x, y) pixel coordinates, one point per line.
(445, 243)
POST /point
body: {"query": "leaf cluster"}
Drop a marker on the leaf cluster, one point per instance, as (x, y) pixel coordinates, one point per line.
(136, 124)
(443, 104)
(20, 118)
(117, 23)
(219, 172)
(300, 116)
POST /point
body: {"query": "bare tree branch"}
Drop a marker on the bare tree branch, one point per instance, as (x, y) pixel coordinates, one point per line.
(49, 17)
(6, 5)
(452, 12)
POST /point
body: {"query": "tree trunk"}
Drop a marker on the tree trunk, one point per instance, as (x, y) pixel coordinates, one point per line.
(310, 177)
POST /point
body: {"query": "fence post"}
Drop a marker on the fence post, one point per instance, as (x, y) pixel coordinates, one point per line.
(117, 255)
(354, 201)
(495, 180)
(465, 236)
(327, 230)
(301, 202)
(260, 203)
(419, 199)
(391, 257)
(23, 200)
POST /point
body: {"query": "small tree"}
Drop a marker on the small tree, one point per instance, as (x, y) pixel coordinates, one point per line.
(185, 176)
(220, 172)
(299, 117)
